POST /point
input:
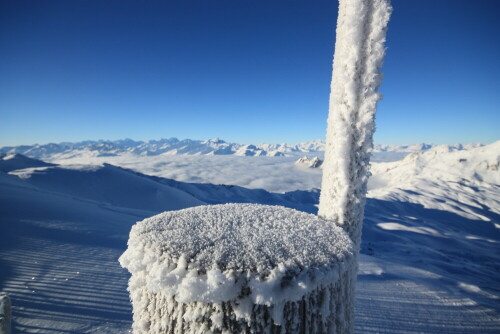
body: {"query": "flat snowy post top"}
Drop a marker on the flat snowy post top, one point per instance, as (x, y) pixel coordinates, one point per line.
(201, 253)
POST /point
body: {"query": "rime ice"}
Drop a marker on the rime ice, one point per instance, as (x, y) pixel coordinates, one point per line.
(235, 262)
(359, 53)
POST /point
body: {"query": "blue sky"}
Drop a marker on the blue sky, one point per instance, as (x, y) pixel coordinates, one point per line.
(246, 71)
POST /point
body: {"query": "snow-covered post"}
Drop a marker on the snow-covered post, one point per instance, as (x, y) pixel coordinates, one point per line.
(239, 268)
(359, 53)
(5, 314)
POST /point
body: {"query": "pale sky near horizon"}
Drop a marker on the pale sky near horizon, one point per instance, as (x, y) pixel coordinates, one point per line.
(245, 71)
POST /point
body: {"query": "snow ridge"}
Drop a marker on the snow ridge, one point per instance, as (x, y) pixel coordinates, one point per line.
(314, 162)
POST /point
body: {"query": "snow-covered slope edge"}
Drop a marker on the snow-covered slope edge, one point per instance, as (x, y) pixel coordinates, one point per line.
(465, 179)
(10, 162)
(436, 215)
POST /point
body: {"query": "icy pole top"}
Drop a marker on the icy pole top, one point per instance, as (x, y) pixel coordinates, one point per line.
(241, 237)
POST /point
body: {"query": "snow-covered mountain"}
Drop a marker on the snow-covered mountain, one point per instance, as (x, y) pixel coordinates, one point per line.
(10, 162)
(174, 146)
(314, 162)
(170, 146)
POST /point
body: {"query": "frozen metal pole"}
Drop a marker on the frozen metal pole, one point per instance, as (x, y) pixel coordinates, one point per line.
(359, 54)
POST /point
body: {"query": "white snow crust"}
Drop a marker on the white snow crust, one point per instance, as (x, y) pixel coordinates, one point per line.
(242, 236)
(243, 254)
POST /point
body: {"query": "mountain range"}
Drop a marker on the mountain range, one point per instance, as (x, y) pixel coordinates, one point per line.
(174, 146)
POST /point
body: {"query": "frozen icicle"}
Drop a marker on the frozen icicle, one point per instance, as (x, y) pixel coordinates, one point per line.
(359, 53)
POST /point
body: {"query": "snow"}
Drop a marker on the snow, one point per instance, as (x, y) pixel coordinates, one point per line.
(443, 163)
(235, 254)
(356, 77)
(314, 162)
(465, 180)
(240, 236)
(406, 299)
(408, 282)
(12, 162)
(120, 187)
(171, 146)
(399, 227)
(276, 174)
(51, 237)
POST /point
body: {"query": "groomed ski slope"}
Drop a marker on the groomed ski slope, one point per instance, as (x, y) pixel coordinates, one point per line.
(429, 260)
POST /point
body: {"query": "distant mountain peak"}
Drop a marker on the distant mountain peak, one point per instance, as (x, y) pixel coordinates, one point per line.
(10, 162)
(214, 141)
(314, 162)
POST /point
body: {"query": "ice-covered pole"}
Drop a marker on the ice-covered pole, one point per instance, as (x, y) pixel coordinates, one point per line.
(357, 62)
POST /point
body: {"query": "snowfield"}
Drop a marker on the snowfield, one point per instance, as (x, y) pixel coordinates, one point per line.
(430, 252)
